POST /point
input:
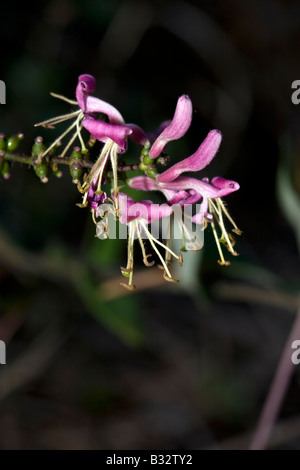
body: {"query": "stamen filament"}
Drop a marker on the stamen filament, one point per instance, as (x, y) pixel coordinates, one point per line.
(150, 236)
(130, 259)
(58, 119)
(153, 240)
(224, 230)
(59, 138)
(63, 98)
(105, 150)
(69, 144)
(94, 216)
(237, 230)
(222, 260)
(114, 164)
(78, 127)
(145, 256)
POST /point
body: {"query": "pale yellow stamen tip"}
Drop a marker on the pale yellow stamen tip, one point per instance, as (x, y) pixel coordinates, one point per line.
(128, 286)
(223, 262)
(169, 278)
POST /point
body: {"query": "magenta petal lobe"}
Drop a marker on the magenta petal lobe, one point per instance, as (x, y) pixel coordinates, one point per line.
(86, 84)
(177, 128)
(104, 131)
(196, 162)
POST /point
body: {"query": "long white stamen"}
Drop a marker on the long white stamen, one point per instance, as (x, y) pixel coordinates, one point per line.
(222, 261)
(63, 98)
(98, 163)
(83, 147)
(145, 256)
(59, 138)
(114, 165)
(227, 215)
(130, 259)
(153, 240)
(58, 119)
(102, 167)
(150, 236)
(224, 230)
(69, 144)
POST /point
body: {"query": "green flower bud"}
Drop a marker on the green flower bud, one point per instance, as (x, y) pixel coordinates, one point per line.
(38, 146)
(5, 169)
(147, 160)
(152, 173)
(76, 170)
(13, 142)
(57, 173)
(76, 154)
(41, 171)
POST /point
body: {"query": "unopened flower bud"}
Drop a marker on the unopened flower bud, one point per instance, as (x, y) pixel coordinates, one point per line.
(5, 169)
(76, 154)
(147, 160)
(152, 172)
(41, 171)
(76, 170)
(13, 142)
(38, 146)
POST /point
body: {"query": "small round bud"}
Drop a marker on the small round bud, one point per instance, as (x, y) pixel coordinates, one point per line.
(41, 171)
(38, 146)
(147, 160)
(152, 173)
(76, 154)
(57, 173)
(13, 142)
(76, 170)
(5, 170)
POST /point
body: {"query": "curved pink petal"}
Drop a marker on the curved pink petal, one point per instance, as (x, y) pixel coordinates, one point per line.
(86, 84)
(223, 184)
(95, 105)
(90, 104)
(103, 131)
(220, 188)
(144, 183)
(177, 127)
(196, 162)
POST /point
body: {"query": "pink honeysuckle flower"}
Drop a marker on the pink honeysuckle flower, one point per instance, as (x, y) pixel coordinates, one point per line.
(88, 107)
(186, 190)
(138, 215)
(176, 128)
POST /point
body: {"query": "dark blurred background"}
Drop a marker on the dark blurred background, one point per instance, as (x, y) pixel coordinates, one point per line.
(173, 367)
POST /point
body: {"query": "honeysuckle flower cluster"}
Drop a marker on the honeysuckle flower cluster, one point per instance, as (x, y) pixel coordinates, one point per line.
(105, 124)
